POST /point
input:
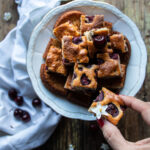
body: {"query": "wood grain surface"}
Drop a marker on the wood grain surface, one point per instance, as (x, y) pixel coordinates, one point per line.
(85, 135)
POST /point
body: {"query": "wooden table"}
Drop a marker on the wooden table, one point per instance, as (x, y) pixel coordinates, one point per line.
(79, 133)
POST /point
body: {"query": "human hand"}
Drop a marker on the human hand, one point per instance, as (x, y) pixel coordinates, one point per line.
(113, 135)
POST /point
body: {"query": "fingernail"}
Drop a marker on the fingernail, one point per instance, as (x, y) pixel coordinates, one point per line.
(100, 122)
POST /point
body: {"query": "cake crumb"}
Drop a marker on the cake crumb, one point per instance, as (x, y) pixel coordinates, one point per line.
(104, 147)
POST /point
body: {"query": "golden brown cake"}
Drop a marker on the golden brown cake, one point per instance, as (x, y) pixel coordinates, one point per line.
(68, 81)
(84, 77)
(54, 61)
(117, 82)
(91, 22)
(109, 66)
(72, 16)
(118, 42)
(66, 28)
(52, 81)
(74, 49)
(98, 41)
(52, 42)
(108, 105)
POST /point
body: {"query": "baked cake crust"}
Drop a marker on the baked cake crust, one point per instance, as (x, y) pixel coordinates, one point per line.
(74, 52)
(53, 82)
(52, 42)
(115, 83)
(54, 61)
(84, 77)
(109, 67)
(91, 22)
(65, 29)
(72, 16)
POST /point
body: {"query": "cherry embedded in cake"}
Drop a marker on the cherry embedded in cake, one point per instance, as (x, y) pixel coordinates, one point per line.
(85, 78)
(74, 49)
(91, 22)
(110, 67)
(99, 41)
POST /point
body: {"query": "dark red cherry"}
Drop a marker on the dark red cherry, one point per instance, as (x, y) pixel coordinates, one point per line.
(26, 116)
(36, 102)
(89, 19)
(74, 76)
(19, 100)
(114, 56)
(88, 65)
(46, 67)
(77, 40)
(12, 93)
(112, 109)
(100, 61)
(80, 68)
(18, 113)
(84, 80)
(99, 41)
(108, 39)
(100, 97)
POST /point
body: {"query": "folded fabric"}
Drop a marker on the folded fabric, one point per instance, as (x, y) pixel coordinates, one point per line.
(14, 134)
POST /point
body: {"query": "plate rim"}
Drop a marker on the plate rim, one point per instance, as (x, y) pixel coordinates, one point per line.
(67, 6)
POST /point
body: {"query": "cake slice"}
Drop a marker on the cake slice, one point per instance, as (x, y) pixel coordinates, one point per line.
(84, 77)
(53, 58)
(109, 65)
(52, 42)
(68, 81)
(115, 83)
(91, 22)
(118, 42)
(74, 49)
(108, 105)
(52, 81)
(66, 28)
(72, 16)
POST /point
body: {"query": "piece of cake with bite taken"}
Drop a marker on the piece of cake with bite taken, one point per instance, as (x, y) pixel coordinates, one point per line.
(108, 105)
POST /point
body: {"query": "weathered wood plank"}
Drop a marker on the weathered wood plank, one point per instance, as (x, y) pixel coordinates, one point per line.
(7, 6)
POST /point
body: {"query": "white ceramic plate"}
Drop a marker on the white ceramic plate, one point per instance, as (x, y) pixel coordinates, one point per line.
(42, 33)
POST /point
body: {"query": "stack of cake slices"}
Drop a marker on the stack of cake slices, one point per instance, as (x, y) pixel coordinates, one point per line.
(85, 56)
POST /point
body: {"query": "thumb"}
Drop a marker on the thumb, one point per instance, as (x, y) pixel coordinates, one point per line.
(113, 135)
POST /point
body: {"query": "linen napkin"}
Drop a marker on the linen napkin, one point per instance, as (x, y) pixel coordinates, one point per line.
(14, 134)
